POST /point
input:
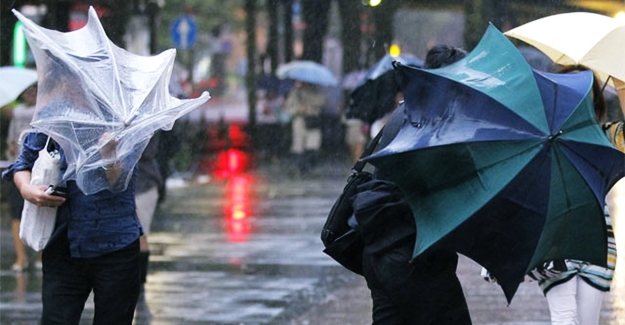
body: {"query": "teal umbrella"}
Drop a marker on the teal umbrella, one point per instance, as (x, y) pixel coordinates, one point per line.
(502, 163)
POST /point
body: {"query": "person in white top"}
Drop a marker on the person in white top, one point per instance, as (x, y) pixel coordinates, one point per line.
(21, 117)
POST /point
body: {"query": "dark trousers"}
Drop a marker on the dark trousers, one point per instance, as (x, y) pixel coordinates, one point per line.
(424, 292)
(114, 279)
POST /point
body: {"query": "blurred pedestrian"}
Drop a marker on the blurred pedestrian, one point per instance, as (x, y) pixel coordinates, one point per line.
(305, 104)
(22, 114)
(378, 124)
(355, 137)
(149, 181)
(272, 128)
(424, 290)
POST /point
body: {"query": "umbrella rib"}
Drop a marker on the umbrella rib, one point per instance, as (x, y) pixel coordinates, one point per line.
(562, 56)
(109, 46)
(60, 52)
(564, 188)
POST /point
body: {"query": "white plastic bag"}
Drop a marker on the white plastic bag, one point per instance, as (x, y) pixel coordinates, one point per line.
(38, 222)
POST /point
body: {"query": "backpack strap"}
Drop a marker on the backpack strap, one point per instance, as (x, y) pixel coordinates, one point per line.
(360, 164)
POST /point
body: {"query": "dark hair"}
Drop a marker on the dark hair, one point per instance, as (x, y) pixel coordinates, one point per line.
(601, 108)
(20, 97)
(442, 55)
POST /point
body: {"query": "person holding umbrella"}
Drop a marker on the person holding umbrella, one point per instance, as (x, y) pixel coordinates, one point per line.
(99, 115)
(424, 290)
(94, 247)
(575, 289)
(305, 104)
(22, 114)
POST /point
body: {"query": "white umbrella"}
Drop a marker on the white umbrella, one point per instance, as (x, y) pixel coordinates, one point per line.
(13, 81)
(585, 38)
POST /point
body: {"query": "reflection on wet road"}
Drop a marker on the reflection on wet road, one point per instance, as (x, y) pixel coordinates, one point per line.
(245, 249)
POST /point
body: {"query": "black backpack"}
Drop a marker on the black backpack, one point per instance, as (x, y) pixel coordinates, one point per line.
(341, 241)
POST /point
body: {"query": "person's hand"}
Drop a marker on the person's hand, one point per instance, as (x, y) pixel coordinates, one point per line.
(35, 194)
(111, 164)
(109, 147)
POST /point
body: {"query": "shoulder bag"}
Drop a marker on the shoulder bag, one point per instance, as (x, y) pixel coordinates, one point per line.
(341, 241)
(37, 222)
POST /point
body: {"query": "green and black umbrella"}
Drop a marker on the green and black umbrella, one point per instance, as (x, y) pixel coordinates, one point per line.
(502, 163)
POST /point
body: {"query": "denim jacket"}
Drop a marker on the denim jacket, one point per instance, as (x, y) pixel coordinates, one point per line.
(96, 224)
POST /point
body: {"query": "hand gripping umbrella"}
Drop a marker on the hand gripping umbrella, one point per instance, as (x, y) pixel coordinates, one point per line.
(585, 38)
(93, 93)
(503, 163)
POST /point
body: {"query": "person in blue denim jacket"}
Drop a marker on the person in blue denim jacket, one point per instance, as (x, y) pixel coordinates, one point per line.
(94, 246)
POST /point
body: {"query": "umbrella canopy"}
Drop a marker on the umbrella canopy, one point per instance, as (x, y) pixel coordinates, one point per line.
(385, 65)
(13, 81)
(590, 39)
(503, 163)
(536, 59)
(374, 95)
(92, 93)
(307, 71)
(271, 83)
(353, 79)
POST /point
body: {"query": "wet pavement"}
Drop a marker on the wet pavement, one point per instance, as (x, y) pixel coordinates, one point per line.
(245, 249)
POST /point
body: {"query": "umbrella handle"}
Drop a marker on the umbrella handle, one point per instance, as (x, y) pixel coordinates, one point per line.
(130, 119)
(603, 88)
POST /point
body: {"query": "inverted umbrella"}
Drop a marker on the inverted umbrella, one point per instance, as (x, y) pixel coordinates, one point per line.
(585, 38)
(307, 71)
(13, 81)
(375, 95)
(536, 59)
(503, 163)
(93, 93)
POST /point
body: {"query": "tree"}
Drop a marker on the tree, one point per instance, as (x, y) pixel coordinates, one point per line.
(273, 9)
(315, 16)
(383, 17)
(250, 77)
(351, 35)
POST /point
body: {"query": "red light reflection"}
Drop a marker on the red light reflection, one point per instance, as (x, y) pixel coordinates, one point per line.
(237, 208)
(231, 161)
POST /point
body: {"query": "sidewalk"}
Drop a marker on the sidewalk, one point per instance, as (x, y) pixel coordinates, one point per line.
(246, 250)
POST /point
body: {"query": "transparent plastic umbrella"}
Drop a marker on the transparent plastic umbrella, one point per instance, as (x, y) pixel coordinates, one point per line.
(92, 92)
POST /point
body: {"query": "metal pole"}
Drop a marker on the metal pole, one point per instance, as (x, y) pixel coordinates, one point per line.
(250, 78)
